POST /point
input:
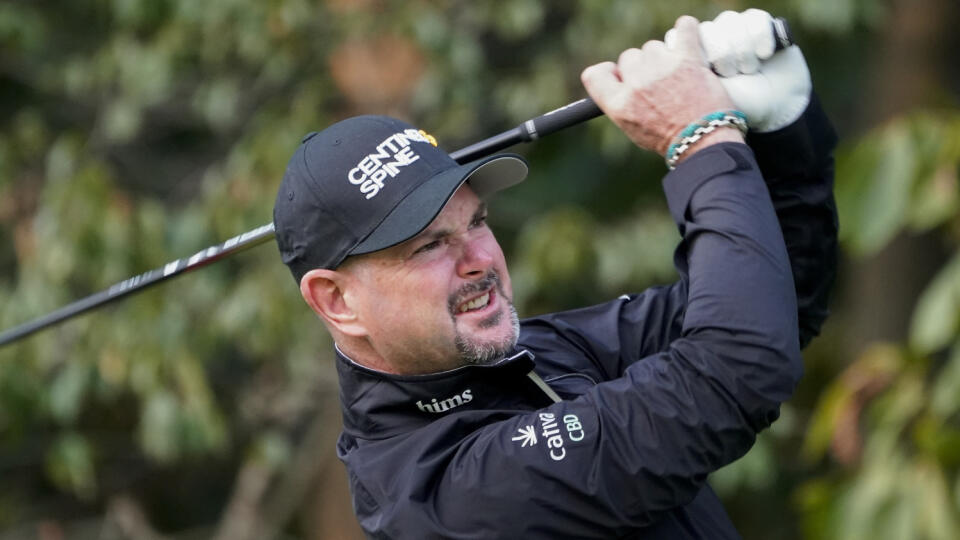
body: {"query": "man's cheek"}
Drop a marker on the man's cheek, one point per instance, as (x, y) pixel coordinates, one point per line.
(505, 284)
(419, 310)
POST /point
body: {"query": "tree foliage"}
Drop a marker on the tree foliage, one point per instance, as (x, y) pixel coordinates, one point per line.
(133, 133)
(891, 416)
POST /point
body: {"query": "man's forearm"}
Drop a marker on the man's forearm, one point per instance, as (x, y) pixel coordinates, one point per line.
(740, 293)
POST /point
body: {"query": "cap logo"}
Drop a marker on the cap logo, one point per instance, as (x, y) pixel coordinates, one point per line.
(390, 155)
(430, 138)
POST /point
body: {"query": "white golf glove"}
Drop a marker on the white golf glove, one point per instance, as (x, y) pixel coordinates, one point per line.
(772, 89)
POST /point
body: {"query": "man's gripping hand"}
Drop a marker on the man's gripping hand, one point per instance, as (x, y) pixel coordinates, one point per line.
(773, 89)
(654, 92)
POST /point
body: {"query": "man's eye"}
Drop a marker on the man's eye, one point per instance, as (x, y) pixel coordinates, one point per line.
(479, 220)
(427, 247)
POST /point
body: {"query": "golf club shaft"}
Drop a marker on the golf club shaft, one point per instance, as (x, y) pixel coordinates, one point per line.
(574, 113)
(531, 130)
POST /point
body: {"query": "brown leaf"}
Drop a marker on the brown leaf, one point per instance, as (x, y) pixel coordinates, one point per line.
(866, 378)
(379, 73)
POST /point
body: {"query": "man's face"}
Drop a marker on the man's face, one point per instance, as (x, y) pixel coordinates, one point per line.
(441, 299)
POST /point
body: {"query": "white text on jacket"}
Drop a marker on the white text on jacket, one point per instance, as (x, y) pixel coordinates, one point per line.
(445, 405)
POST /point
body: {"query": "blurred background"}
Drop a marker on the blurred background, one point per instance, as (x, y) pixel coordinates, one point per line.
(135, 132)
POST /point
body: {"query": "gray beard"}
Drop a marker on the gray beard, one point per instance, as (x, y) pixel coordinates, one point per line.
(475, 352)
(481, 353)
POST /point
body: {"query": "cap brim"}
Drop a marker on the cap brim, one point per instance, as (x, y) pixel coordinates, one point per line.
(417, 210)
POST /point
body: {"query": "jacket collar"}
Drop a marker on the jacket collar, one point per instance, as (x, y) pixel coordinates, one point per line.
(378, 405)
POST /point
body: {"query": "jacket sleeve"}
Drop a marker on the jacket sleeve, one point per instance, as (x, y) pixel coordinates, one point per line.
(797, 165)
(632, 448)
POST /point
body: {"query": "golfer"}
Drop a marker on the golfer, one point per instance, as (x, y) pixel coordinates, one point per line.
(460, 421)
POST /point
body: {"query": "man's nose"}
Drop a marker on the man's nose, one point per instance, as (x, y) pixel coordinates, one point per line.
(475, 260)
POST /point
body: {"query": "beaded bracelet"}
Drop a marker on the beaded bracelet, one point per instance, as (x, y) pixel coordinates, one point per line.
(695, 131)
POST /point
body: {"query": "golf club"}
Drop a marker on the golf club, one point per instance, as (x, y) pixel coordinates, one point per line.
(530, 130)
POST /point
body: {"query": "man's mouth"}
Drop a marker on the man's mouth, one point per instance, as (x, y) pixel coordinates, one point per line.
(476, 304)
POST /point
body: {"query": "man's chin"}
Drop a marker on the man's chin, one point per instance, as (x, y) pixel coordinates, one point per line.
(495, 338)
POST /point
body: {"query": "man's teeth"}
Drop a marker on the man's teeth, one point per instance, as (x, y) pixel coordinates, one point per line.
(476, 303)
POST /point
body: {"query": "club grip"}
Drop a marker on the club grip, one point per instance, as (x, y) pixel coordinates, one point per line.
(557, 119)
(782, 36)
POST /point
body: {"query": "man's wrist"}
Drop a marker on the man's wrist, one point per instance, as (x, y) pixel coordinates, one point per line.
(693, 134)
(721, 135)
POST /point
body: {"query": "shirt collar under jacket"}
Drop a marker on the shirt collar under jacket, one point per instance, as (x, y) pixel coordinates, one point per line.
(378, 405)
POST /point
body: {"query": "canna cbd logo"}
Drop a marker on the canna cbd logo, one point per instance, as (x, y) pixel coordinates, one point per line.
(445, 405)
(394, 152)
(551, 433)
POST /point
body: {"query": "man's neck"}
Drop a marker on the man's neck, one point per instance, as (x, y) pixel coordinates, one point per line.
(374, 362)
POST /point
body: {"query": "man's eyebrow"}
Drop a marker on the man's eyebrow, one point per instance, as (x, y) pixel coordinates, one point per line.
(440, 233)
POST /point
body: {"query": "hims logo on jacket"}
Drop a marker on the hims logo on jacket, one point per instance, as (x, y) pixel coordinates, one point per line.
(445, 405)
(394, 152)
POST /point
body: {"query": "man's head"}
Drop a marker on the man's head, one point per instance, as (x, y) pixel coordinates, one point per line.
(386, 236)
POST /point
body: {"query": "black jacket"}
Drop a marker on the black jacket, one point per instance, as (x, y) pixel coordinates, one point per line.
(657, 390)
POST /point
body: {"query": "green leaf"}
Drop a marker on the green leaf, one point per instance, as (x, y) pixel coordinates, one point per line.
(818, 502)
(69, 464)
(272, 449)
(936, 137)
(518, 18)
(876, 365)
(868, 507)
(935, 321)
(560, 246)
(218, 102)
(121, 121)
(937, 518)
(67, 391)
(159, 427)
(901, 174)
(945, 391)
(822, 424)
(637, 252)
(833, 15)
(755, 471)
(873, 198)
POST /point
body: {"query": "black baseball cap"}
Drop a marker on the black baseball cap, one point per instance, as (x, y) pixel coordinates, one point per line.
(370, 182)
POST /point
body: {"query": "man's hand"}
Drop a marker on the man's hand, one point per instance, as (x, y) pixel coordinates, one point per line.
(654, 92)
(773, 89)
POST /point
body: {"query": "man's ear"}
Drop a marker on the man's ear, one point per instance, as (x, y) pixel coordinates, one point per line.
(325, 292)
